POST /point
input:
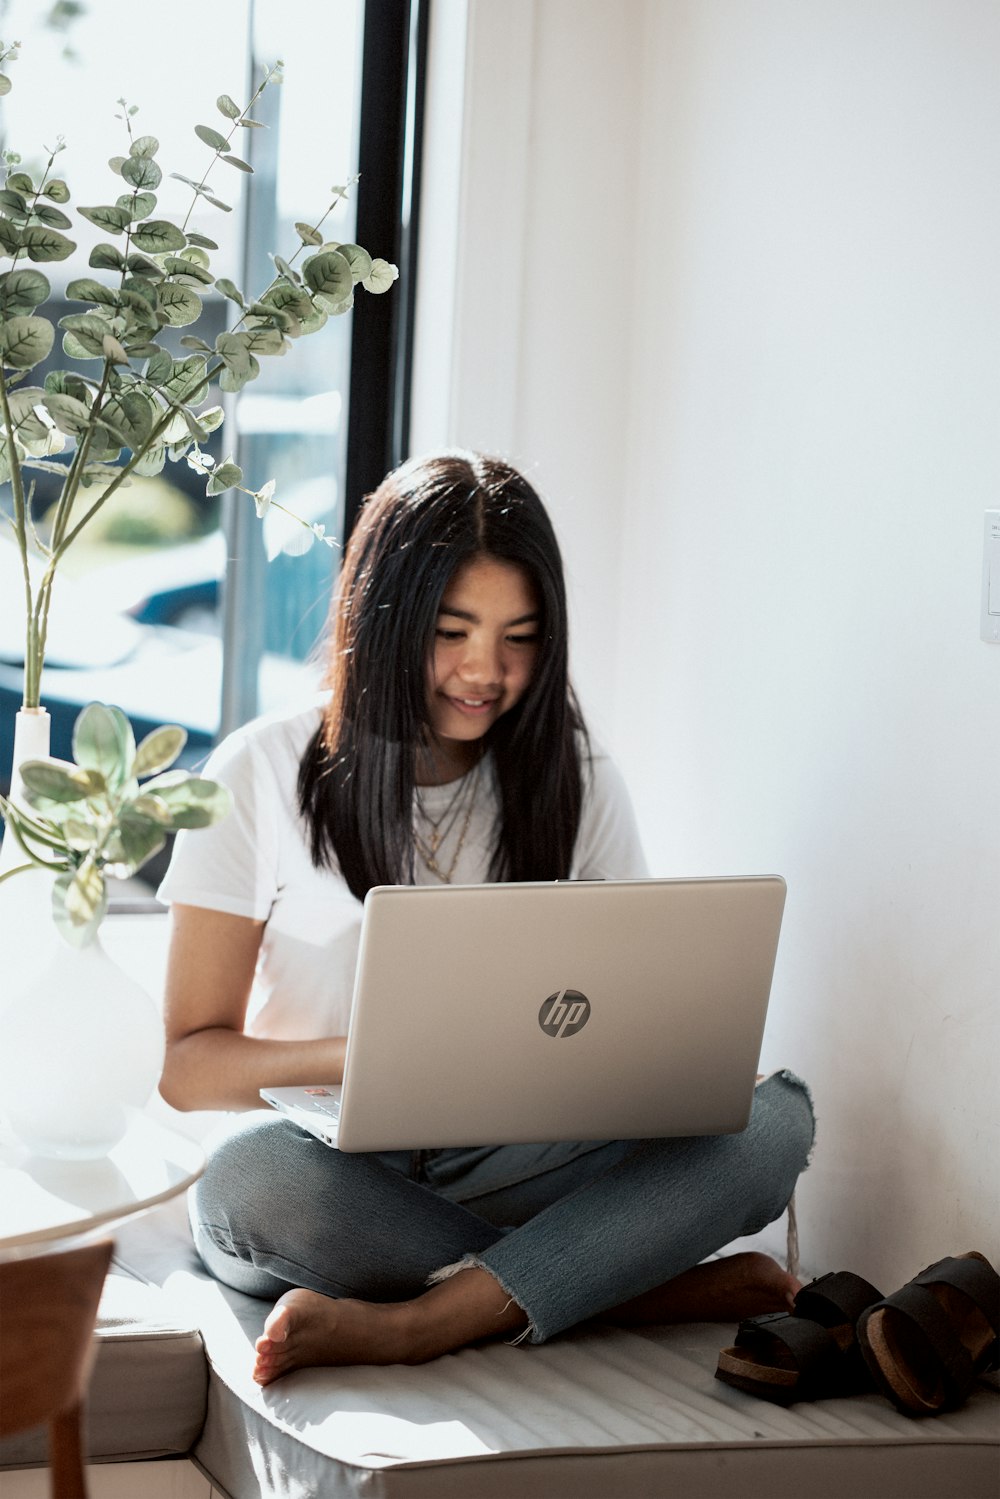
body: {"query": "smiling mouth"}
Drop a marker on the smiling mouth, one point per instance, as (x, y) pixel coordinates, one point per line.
(473, 704)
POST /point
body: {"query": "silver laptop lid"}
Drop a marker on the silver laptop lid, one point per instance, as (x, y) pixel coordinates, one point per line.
(491, 1014)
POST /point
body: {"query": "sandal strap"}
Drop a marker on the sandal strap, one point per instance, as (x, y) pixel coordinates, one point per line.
(973, 1277)
(922, 1308)
(810, 1345)
(836, 1298)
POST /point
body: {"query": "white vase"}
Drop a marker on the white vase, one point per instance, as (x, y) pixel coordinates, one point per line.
(80, 1041)
(81, 1044)
(27, 932)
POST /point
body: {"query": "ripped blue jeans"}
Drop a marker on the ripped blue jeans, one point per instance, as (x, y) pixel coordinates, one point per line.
(569, 1230)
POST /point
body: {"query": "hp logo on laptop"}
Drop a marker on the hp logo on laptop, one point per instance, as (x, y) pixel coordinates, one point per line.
(565, 1013)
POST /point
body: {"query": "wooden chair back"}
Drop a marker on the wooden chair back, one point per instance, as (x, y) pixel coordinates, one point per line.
(48, 1308)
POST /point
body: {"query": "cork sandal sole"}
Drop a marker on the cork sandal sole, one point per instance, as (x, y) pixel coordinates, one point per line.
(927, 1343)
(808, 1354)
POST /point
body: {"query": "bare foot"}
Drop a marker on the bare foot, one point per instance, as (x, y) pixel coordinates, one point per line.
(726, 1290)
(304, 1328)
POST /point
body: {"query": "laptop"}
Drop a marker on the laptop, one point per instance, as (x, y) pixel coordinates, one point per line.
(496, 1014)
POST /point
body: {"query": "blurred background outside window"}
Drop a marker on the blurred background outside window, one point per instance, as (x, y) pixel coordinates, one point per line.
(138, 611)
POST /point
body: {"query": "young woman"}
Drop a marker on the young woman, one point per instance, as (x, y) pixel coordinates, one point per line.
(448, 748)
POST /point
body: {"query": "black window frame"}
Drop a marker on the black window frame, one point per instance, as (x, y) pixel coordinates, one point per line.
(393, 91)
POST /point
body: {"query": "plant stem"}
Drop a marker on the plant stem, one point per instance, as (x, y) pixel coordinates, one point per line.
(32, 666)
(64, 508)
(124, 473)
(229, 140)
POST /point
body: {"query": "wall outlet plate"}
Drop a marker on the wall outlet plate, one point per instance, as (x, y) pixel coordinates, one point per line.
(989, 628)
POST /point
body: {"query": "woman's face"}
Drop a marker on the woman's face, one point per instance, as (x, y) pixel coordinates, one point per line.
(485, 648)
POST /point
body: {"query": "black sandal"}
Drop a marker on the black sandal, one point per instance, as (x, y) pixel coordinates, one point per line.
(927, 1344)
(810, 1353)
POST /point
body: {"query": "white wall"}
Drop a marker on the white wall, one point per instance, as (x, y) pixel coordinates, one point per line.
(538, 342)
(741, 319)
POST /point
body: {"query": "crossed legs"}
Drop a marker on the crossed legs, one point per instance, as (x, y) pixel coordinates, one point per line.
(616, 1230)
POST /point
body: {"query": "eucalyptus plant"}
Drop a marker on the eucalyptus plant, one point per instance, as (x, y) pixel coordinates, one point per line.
(141, 407)
(91, 819)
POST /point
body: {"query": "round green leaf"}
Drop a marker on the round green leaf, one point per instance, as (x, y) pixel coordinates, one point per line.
(151, 806)
(113, 219)
(141, 265)
(79, 834)
(380, 277)
(142, 172)
(330, 273)
(144, 145)
(57, 190)
(22, 291)
(88, 290)
(141, 206)
(10, 236)
(158, 237)
(5, 84)
(54, 218)
(158, 750)
(59, 781)
(231, 290)
(194, 255)
(187, 271)
(64, 383)
(308, 235)
(266, 340)
(20, 182)
(217, 203)
(151, 462)
(103, 741)
(241, 366)
(46, 244)
(70, 415)
(228, 107)
(178, 305)
(159, 368)
(237, 161)
(211, 137)
(29, 428)
(130, 416)
(25, 342)
(284, 296)
(106, 258)
(186, 380)
(14, 203)
(113, 350)
(193, 801)
(211, 419)
(141, 295)
(359, 260)
(203, 241)
(86, 331)
(226, 476)
(141, 835)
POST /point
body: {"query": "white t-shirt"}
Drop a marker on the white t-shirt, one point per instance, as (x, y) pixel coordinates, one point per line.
(256, 862)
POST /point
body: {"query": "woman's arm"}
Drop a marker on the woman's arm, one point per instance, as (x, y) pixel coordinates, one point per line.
(210, 1063)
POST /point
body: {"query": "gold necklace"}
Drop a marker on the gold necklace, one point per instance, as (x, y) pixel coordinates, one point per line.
(429, 853)
(442, 825)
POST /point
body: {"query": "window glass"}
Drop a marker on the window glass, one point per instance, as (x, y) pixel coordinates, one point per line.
(136, 612)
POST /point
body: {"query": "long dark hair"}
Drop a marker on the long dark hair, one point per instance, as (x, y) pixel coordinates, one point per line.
(356, 780)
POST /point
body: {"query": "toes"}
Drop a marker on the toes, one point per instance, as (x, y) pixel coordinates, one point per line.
(278, 1323)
